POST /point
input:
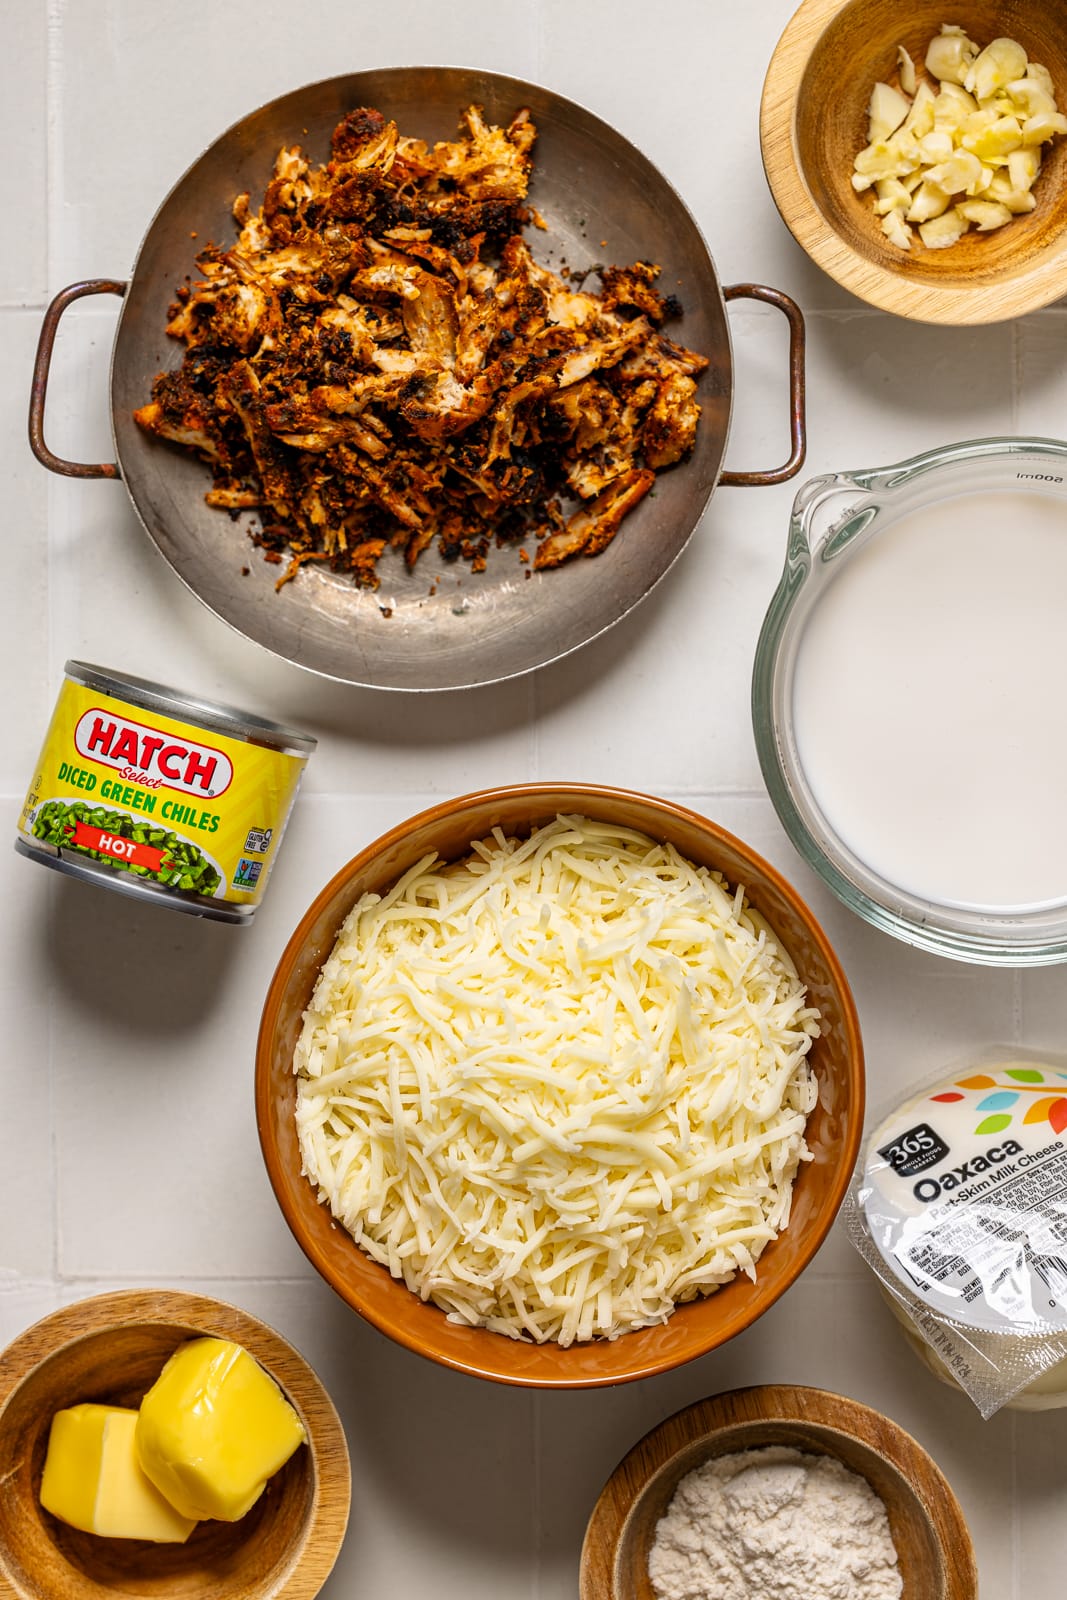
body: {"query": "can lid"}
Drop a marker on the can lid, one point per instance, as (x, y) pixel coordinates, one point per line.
(208, 714)
(134, 888)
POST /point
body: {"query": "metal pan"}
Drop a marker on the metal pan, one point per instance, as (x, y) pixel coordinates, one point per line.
(441, 626)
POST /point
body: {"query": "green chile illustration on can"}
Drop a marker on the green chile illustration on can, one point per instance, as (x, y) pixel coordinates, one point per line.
(181, 865)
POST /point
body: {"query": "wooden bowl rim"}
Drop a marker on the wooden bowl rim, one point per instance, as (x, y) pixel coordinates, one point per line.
(775, 1403)
(481, 1352)
(331, 1489)
(1034, 287)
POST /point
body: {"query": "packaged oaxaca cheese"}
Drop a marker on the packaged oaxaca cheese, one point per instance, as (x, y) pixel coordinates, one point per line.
(959, 1204)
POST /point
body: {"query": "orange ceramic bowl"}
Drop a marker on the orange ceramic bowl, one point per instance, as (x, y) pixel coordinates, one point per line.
(833, 1134)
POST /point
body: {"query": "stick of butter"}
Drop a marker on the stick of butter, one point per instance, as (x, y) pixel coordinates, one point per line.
(93, 1479)
(213, 1428)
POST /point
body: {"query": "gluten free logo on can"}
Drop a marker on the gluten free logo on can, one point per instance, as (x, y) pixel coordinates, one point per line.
(160, 795)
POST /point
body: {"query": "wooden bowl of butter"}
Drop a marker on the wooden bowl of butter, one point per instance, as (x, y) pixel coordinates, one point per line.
(95, 1362)
(798, 1484)
(1008, 160)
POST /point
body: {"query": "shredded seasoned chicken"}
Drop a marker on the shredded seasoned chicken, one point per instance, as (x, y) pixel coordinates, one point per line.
(378, 362)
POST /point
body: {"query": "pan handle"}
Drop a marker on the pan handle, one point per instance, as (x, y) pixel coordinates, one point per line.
(41, 367)
(797, 392)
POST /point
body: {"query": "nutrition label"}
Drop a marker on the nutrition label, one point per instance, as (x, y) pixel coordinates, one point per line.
(996, 1256)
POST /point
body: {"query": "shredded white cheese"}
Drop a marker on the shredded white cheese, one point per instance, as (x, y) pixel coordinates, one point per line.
(559, 1086)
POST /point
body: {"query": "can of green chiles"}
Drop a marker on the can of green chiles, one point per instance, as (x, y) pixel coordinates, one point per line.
(160, 794)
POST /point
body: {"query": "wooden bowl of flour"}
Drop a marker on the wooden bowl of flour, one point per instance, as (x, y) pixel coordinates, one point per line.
(934, 1549)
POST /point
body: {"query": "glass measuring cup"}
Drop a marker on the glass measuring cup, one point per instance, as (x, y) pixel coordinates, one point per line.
(834, 519)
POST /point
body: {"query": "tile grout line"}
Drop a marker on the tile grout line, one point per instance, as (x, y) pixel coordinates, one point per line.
(1018, 1036)
(533, 710)
(851, 313)
(534, 703)
(53, 65)
(536, 1497)
(53, 1129)
(1016, 1519)
(69, 1279)
(430, 796)
(53, 58)
(72, 1279)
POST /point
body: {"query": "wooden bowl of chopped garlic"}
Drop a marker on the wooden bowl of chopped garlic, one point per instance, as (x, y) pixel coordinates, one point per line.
(155, 1442)
(919, 153)
(559, 1085)
(811, 1492)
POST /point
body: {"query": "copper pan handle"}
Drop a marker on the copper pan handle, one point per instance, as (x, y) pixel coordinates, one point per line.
(42, 364)
(797, 394)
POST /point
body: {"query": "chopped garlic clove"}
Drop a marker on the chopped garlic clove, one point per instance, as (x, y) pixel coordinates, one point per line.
(907, 70)
(905, 147)
(936, 146)
(879, 161)
(896, 230)
(950, 55)
(985, 214)
(920, 119)
(995, 67)
(940, 232)
(927, 201)
(1041, 75)
(978, 121)
(1001, 104)
(1023, 167)
(1030, 97)
(952, 105)
(887, 110)
(1036, 130)
(1001, 189)
(1000, 138)
(959, 174)
(892, 196)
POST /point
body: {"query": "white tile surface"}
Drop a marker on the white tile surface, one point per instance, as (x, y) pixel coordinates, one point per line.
(27, 1250)
(23, 604)
(1041, 348)
(124, 54)
(128, 1152)
(23, 129)
(25, 1302)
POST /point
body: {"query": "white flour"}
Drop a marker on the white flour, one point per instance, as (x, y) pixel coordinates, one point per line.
(774, 1524)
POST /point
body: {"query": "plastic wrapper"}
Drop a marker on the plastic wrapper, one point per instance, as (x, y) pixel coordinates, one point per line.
(959, 1205)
